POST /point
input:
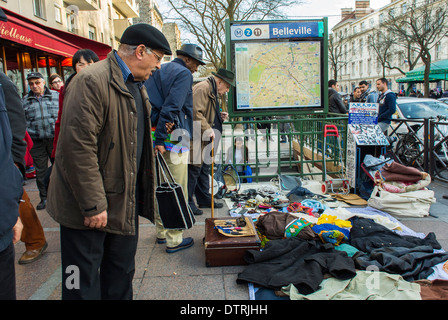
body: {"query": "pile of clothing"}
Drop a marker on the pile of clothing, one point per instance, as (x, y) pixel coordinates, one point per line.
(327, 257)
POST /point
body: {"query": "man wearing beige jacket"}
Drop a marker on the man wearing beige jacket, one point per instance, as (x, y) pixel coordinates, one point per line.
(206, 111)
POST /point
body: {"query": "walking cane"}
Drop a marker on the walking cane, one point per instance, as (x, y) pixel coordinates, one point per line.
(213, 157)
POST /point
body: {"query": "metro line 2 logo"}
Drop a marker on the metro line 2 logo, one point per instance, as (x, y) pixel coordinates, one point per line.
(248, 32)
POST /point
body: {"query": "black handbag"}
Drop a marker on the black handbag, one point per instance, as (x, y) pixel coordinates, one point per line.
(174, 210)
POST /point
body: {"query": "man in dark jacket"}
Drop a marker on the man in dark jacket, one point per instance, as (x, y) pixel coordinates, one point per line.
(10, 194)
(103, 176)
(388, 104)
(335, 103)
(33, 234)
(170, 93)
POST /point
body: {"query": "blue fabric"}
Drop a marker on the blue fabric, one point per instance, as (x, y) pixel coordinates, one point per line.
(171, 96)
(127, 74)
(11, 188)
(388, 106)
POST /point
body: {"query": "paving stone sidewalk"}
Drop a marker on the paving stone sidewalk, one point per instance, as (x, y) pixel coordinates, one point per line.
(182, 275)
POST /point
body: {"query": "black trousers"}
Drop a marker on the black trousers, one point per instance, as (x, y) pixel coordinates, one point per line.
(7, 274)
(105, 263)
(199, 184)
(41, 153)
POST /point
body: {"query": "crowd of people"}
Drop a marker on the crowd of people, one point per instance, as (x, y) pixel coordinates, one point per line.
(94, 139)
(363, 93)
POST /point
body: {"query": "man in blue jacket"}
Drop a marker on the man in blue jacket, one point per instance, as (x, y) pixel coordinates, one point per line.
(388, 104)
(11, 190)
(170, 94)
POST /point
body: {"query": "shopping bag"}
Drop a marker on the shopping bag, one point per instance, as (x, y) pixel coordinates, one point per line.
(174, 210)
(406, 204)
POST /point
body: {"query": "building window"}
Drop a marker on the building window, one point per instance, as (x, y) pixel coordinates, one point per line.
(39, 8)
(57, 13)
(92, 32)
(71, 21)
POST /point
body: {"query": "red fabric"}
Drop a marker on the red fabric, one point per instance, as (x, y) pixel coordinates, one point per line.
(29, 145)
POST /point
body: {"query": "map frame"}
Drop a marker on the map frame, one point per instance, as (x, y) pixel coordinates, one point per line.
(283, 32)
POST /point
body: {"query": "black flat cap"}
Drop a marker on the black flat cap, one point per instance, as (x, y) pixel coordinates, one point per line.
(34, 75)
(142, 33)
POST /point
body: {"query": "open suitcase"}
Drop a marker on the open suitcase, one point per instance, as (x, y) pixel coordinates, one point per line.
(221, 250)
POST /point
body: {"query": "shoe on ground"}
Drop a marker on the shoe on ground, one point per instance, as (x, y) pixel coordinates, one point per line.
(42, 205)
(209, 205)
(186, 243)
(161, 241)
(196, 210)
(30, 256)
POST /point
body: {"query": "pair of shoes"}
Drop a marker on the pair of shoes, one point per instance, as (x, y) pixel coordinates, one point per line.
(161, 241)
(196, 210)
(209, 205)
(186, 243)
(32, 255)
(42, 205)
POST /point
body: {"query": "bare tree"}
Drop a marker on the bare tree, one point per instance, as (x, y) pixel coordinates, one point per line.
(205, 20)
(337, 55)
(382, 44)
(423, 24)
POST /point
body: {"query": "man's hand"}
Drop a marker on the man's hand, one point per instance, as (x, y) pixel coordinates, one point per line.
(17, 230)
(160, 149)
(169, 127)
(210, 133)
(224, 116)
(96, 222)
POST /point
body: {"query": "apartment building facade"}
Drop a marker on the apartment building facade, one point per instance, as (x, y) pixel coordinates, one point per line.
(42, 35)
(358, 59)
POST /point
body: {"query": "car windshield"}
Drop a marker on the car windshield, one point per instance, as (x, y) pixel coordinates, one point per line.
(423, 109)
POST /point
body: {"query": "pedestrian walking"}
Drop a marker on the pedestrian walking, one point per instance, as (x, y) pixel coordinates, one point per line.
(41, 111)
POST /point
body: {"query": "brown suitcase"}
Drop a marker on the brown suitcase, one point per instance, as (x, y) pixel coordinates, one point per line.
(221, 250)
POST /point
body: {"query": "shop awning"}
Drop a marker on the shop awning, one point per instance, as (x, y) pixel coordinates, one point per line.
(24, 31)
(438, 71)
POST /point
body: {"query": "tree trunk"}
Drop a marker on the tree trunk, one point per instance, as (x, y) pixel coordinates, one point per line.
(426, 58)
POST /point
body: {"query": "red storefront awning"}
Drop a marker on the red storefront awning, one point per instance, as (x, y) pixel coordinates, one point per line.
(29, 33)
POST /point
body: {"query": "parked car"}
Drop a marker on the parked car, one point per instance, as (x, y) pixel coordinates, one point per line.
(445, 100)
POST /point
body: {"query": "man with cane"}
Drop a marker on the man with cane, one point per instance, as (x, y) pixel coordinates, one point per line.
(207, 111)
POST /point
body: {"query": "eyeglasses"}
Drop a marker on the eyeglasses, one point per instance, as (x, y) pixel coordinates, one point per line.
(159, 58)
(56, 81)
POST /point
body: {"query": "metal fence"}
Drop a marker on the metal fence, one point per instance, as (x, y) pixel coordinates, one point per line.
(422, 144)
(300, 155)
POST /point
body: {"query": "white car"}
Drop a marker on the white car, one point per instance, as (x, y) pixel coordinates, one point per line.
(408, 148)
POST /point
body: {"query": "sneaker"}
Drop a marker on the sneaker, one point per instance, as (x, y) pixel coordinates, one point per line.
(186, 243)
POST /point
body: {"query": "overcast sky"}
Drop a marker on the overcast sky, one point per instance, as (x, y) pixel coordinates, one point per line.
(315, 8)
(330, 9)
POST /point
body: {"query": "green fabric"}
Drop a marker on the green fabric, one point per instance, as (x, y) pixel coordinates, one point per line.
(350, 250)
(438, 71)
(366, 285)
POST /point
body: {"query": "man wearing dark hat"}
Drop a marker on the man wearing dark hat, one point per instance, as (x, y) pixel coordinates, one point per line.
(103, 175)
(41, 107)
(170, 93)
(207, 111)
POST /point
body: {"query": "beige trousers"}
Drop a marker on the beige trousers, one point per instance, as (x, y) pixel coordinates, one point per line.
(178, 165)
